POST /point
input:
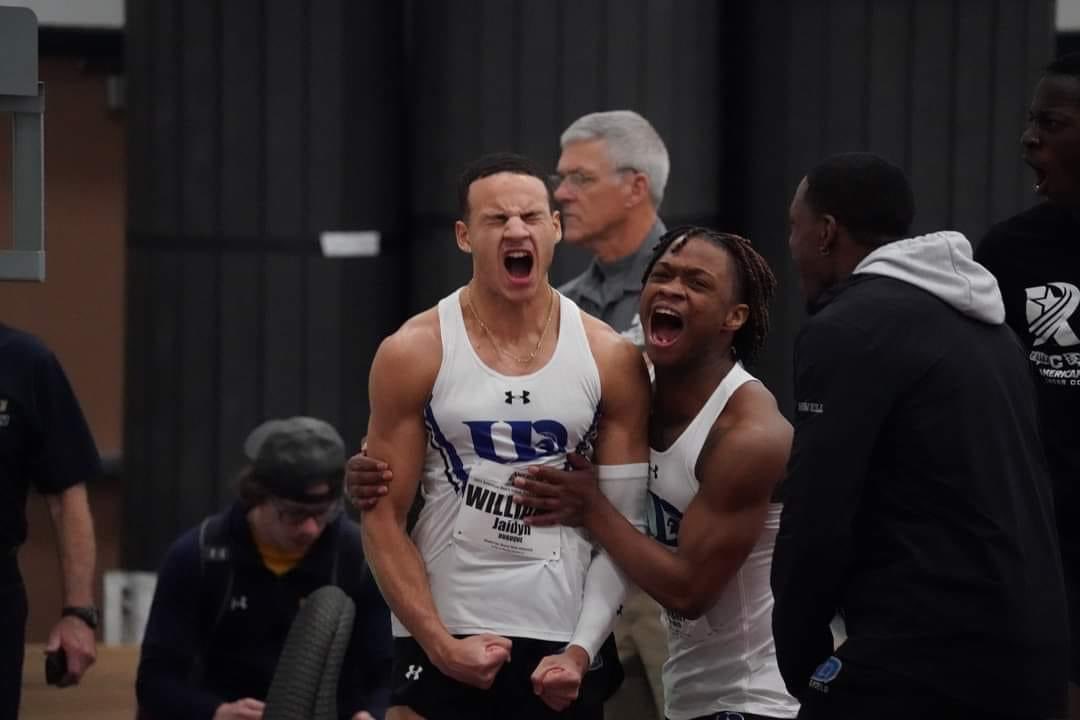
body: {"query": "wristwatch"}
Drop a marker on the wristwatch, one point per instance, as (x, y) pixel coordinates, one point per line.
(88, 614)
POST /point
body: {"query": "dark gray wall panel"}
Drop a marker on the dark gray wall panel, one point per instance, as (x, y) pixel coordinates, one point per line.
(198, 146)
(285, 101)
(368, 288)
(933, 89)
(196, 387)
(537, 102)
(972, 113)
(583, 57)
(696, 126)
(938, 87)
(283, 304)
(165, 118)
(888, 80)
(846, 76)
(322, 342)
(240, 353)
(325, 116)
(256, 124)
(260, 127)
(1012, 93)
(140, 93)
(498, 72)
(375, 153)
(163, 398)
(138, 374)
(626, 53)
(241, 118)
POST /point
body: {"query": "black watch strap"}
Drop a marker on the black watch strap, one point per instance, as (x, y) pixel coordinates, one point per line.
(88, 614)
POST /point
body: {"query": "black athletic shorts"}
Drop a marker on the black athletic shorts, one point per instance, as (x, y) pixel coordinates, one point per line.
(418, 684)
(855, 692)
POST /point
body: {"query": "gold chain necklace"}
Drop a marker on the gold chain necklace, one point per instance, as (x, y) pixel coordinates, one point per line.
(491, 337)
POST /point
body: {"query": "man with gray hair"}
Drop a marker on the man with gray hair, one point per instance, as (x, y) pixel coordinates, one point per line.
(610, 182)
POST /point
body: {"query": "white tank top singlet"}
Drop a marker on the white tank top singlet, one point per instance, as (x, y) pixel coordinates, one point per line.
(726, 659)
(487, 570)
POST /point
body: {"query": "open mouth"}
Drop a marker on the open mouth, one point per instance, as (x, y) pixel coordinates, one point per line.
(1040, 176)
(519, 264)
(1040, 180)
(665, 327)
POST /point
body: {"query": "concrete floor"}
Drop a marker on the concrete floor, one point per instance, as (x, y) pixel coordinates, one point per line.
(106, 693)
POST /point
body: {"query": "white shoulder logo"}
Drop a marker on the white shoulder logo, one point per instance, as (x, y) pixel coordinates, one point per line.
(1049, 309)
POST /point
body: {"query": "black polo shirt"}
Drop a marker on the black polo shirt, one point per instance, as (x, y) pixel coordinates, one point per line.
(44, 440)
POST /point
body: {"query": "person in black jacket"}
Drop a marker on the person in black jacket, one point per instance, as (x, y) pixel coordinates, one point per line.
(229, 589)
(918, 502)
(1036, 258)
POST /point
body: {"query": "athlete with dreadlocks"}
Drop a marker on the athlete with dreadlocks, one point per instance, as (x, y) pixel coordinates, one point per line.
(719, 448)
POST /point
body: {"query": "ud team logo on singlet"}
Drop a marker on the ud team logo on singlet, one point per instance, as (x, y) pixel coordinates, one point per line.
(531, 439)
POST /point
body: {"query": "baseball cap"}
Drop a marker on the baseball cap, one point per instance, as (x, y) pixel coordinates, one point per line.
(289, 455)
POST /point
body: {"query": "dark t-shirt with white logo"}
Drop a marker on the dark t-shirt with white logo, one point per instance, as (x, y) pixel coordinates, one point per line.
(1036, 258)
(44, 440)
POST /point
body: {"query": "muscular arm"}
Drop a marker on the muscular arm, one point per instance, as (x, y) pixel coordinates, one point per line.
(737, 471)
(70, 511)
(400, 384)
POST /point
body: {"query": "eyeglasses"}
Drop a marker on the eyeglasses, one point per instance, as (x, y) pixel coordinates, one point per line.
(578, 180)
(297, 514)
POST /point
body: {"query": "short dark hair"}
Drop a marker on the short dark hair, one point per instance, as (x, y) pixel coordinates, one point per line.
(755, 283)
(1067, 64)
(866, 194)
(494, 164)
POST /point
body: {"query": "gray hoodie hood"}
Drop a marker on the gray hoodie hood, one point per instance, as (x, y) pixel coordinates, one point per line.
(941, 263)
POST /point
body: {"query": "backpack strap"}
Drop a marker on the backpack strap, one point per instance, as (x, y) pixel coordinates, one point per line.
(215, 557)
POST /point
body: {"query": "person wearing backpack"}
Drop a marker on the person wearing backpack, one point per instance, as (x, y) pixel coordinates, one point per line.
(229, 588)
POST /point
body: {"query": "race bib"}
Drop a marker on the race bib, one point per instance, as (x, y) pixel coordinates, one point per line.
(491, 524)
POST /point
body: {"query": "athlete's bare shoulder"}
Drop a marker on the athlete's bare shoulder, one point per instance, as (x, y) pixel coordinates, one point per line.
(410, 357)
(624, 378)
(753, 404)
(612, 352)
(750, 439)
(751, 421)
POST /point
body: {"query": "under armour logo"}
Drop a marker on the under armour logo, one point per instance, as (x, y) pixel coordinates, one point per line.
(238, 603)
(413, 673)
(523, 397)
(1049, 309)
(217, 554)
(655, 471)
